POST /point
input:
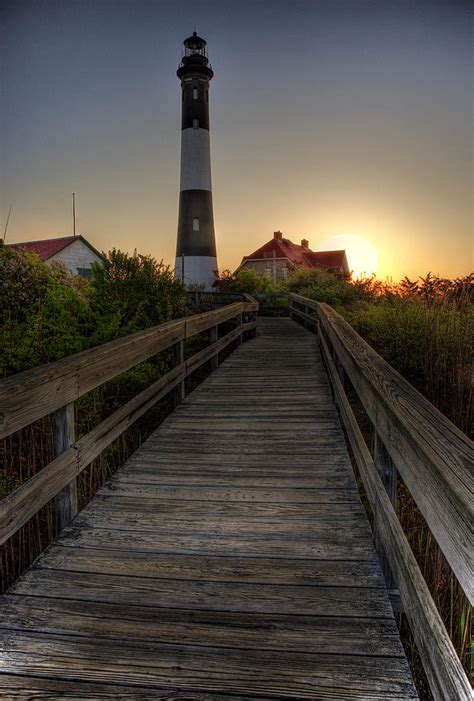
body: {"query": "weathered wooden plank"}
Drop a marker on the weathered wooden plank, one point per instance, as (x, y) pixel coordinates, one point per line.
(232, 478)
(227, 670)
(257, 631)
(353, 531)
(287, 513)
(224, 568)
(442, 666)
(154, 493)
(15, 686)
(204, 594)
(329, 545)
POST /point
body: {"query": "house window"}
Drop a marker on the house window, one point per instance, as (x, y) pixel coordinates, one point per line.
(84, 272)
(195, 224)
(269, 273)
(195, 93)
(195, 123)
(284, 272)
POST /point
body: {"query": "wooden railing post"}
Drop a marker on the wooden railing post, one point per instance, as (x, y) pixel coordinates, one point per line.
(239, 323)
(339, 368)
(388, 475)
(213, 337)
(178, 358)
(64, 435)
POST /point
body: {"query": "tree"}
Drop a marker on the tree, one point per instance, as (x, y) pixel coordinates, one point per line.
(133, 292)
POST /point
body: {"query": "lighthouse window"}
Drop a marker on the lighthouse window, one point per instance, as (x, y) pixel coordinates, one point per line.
(195, 224)
(195, 94)
(195, 123)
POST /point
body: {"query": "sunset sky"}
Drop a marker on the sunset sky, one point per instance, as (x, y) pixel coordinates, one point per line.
(328, 118)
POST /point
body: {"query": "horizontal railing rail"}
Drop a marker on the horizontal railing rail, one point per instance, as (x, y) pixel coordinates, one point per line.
(53, 388)
(434, 459)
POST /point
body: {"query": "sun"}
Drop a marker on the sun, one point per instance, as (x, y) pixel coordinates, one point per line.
(362, 257)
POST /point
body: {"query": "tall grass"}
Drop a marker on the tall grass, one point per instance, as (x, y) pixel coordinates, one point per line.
(429, 344)
(425, 330)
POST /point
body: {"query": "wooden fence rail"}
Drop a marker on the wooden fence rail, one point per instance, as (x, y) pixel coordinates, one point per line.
(435, 460)
(53, 388)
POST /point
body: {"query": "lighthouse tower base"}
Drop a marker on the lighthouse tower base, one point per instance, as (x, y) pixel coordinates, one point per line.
(196, 270)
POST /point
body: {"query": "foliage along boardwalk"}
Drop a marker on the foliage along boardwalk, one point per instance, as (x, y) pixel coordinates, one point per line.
(229, 558)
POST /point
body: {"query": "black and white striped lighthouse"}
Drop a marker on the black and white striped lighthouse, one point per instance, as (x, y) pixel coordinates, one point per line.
(196, 260)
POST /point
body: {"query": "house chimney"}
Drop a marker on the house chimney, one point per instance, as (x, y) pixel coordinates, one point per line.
(304, 243)
(277, 235)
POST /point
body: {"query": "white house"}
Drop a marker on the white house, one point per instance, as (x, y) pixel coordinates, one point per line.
(75, 252)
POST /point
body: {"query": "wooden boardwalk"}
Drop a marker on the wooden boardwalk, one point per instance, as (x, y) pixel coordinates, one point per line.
(230, 558)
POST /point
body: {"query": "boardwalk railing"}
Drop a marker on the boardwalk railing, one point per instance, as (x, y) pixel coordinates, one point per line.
(434, 459)
(53, 388)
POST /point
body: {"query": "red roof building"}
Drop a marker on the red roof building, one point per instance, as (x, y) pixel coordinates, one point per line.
(75, 252)
(279, 257)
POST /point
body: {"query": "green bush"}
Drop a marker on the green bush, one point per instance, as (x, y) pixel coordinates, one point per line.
(45, 312)
(325, 286)
(130, 293)
(246, 280)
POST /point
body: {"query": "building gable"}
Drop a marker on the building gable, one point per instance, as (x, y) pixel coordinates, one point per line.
(75, 252)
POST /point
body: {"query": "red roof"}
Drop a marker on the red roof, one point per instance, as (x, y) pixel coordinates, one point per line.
(300, 256)
(45, 249)
(328, 259)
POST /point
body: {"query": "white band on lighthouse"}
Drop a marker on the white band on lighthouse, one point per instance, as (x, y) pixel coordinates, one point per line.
(192, 269)
(195, 160)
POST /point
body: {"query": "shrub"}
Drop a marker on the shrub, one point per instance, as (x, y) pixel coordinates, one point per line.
(134, 292)
(246, 280)
(45, 312)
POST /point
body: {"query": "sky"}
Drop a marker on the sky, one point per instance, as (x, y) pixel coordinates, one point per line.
(328, 119)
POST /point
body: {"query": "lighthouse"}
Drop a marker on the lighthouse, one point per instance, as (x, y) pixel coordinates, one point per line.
(196, 259)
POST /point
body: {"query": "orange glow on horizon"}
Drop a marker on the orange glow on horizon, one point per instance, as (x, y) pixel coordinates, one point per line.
(362, 257)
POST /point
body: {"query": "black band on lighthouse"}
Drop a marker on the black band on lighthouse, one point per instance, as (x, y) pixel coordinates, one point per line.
(195, 107)
(196, 205)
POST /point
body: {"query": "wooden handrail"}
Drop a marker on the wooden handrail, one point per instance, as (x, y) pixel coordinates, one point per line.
(443, 668)
(33, 394)
(433, 456)
(435, 460)
(65, 380)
